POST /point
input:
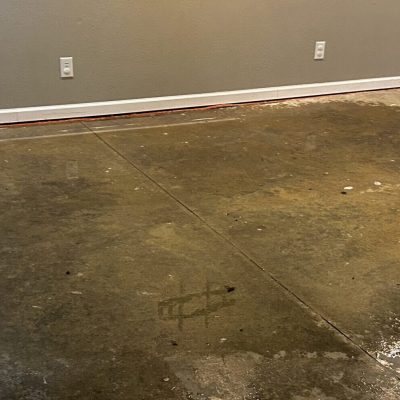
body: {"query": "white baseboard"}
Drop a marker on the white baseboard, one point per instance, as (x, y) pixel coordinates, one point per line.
(26, 114)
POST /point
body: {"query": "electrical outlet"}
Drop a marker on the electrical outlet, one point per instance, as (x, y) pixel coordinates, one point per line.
(320, 50)
(66, 67)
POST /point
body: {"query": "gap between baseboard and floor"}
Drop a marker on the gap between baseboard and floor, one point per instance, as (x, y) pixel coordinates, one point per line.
(117, 107)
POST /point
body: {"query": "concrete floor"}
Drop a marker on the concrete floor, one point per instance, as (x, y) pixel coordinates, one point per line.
(208, 254)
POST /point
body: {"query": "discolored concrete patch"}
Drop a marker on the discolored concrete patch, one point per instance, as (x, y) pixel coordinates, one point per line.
(112, 289)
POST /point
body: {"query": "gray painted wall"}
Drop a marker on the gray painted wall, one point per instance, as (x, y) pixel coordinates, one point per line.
(126, 49)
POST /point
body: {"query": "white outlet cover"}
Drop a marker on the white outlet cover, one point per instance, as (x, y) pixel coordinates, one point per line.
(320, 50)
(66, 67)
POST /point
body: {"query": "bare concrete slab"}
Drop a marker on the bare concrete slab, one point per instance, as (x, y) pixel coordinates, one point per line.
(309, 190)
(132, 261)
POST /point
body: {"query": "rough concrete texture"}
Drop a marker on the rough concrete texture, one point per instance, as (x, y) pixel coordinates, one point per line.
(249, 252)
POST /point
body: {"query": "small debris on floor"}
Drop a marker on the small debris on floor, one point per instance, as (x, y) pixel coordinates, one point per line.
(377, 183)
(76, 292)
(349, 188)
(280, 354)
(343, 192)
(230, 289)
(222, 340)
(166, 379)
(145, 293)
(174, 343)
(67, 273)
